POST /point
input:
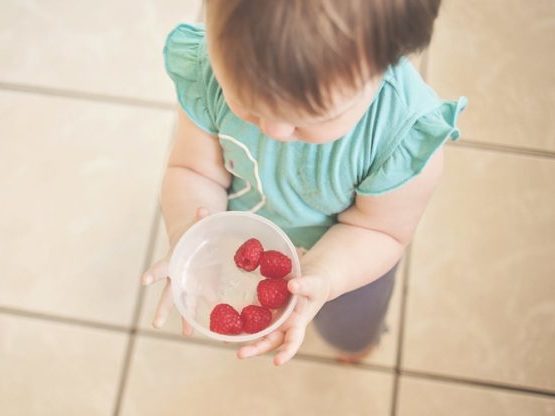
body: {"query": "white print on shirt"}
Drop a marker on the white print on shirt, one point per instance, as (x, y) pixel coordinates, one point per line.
(229, 166)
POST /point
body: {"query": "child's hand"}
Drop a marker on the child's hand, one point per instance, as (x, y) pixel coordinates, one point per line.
(159, 271)
(313, 291)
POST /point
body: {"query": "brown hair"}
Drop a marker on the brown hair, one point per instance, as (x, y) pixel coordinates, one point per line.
(295, 51)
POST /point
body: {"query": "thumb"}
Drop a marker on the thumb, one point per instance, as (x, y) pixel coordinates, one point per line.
(309, 286)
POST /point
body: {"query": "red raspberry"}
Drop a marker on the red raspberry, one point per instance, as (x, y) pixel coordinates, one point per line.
(274, 264)
(255, 318)
(273, 293)
(248, 255)
(225, 320)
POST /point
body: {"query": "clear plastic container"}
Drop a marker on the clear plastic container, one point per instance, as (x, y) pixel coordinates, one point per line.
(203, 272)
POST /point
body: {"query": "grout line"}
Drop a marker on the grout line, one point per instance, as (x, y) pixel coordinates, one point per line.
(518, 151)
(477, 383)
(299, 356)
(86, 96)
(136, 314)
(400, 335)
(63, 319)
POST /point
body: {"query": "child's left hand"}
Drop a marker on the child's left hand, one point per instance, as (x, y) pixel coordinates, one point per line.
(313, 291)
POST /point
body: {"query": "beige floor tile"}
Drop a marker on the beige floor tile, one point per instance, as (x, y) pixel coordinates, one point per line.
(385, 354)
(108, 47)
(496, 53)
(173, 378)
(432, 398)
(481, 300)
(56, 369)
(78, 185)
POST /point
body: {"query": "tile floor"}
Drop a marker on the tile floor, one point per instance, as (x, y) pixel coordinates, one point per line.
(85, 120)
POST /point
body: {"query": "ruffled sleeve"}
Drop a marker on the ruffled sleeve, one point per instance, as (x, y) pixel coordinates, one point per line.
(183, 57)
(421, 137)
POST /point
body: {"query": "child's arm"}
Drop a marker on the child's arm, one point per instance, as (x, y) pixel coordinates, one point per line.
(371, 235)
(366, 243)
(195, 178)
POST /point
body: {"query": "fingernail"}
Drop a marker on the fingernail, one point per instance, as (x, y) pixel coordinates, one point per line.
(147, 280)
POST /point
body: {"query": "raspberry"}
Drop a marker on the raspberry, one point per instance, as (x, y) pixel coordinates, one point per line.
(255, 318)
(273, 293)
(248, 255)
(274, 264)
(225, 320)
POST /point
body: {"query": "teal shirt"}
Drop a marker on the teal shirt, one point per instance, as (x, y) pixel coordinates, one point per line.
(302, 187)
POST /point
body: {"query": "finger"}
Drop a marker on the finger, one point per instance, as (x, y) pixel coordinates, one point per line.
(187, 330)
(268, 343)
(201, 213)
(296, 330)
(301, 251)
(156, 272)
(164, 306)
(305, 286)
(293, 340)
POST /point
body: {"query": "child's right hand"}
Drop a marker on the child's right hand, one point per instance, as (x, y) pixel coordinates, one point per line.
(159, 271)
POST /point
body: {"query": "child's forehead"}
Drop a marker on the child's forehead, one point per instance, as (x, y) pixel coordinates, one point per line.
(277, 108)
(338, 99)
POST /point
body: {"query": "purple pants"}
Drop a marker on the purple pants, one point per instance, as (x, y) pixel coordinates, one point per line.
(355, 320)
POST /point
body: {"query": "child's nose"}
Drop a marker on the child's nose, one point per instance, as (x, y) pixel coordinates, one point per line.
(276, 130)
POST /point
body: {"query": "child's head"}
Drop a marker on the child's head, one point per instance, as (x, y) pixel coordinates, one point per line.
(308, 69)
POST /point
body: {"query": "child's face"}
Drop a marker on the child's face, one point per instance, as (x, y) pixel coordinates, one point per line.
(343, 115)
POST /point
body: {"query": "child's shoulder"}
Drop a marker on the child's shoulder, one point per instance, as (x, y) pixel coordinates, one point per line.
(406, 88)
(185, 50)
(408, 123)
(187, 64)
(185, 35)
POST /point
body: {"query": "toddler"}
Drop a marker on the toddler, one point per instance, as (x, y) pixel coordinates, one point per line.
(308, 113)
